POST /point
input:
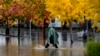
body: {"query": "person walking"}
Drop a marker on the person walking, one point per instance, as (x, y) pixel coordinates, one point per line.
(52, 37)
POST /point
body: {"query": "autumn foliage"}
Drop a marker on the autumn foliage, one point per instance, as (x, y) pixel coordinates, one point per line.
(74, 10)
(39, 11)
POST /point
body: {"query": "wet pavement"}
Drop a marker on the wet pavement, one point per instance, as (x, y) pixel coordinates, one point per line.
(34, 46)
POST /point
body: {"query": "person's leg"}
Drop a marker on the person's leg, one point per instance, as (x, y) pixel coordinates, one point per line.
(47, 45)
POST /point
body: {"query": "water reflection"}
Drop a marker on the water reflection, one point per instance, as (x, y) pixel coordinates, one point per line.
(7, 40)
(71, 53)
(9, 47)
(53, 52)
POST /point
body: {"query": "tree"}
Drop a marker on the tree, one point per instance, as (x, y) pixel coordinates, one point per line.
(96, 18)
(62, 9)
(69, 11)
(5, 5)
(4, 16)
(37, 13)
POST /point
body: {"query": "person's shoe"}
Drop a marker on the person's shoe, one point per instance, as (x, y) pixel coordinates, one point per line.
(56, 46)
(46, 45)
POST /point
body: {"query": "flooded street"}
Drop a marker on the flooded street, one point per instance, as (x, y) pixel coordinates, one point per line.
(35, 46)
(49, 27)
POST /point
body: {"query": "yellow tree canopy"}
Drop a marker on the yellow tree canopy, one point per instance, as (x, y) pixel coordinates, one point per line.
(70, 10)
(83, 9)
(59, 8)
(96, 19)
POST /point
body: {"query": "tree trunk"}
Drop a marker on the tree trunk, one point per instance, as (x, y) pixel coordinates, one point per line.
(71, 35)
(64, 30)
(7, 28)
(18, 32)
(7, 32)
(85, 29)
(94, 34)
(44, 32)
(30, 30)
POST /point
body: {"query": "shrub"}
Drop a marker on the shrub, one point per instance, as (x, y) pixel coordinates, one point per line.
(93, 48)
(90, 38)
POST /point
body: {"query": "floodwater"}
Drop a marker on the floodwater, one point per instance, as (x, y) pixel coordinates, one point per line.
(35, 46)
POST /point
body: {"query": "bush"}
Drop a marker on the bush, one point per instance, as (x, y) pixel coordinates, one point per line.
(90, 38)
(93, 48)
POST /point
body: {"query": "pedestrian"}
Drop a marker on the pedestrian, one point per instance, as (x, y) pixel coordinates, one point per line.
(52, 37)
(85, 37)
